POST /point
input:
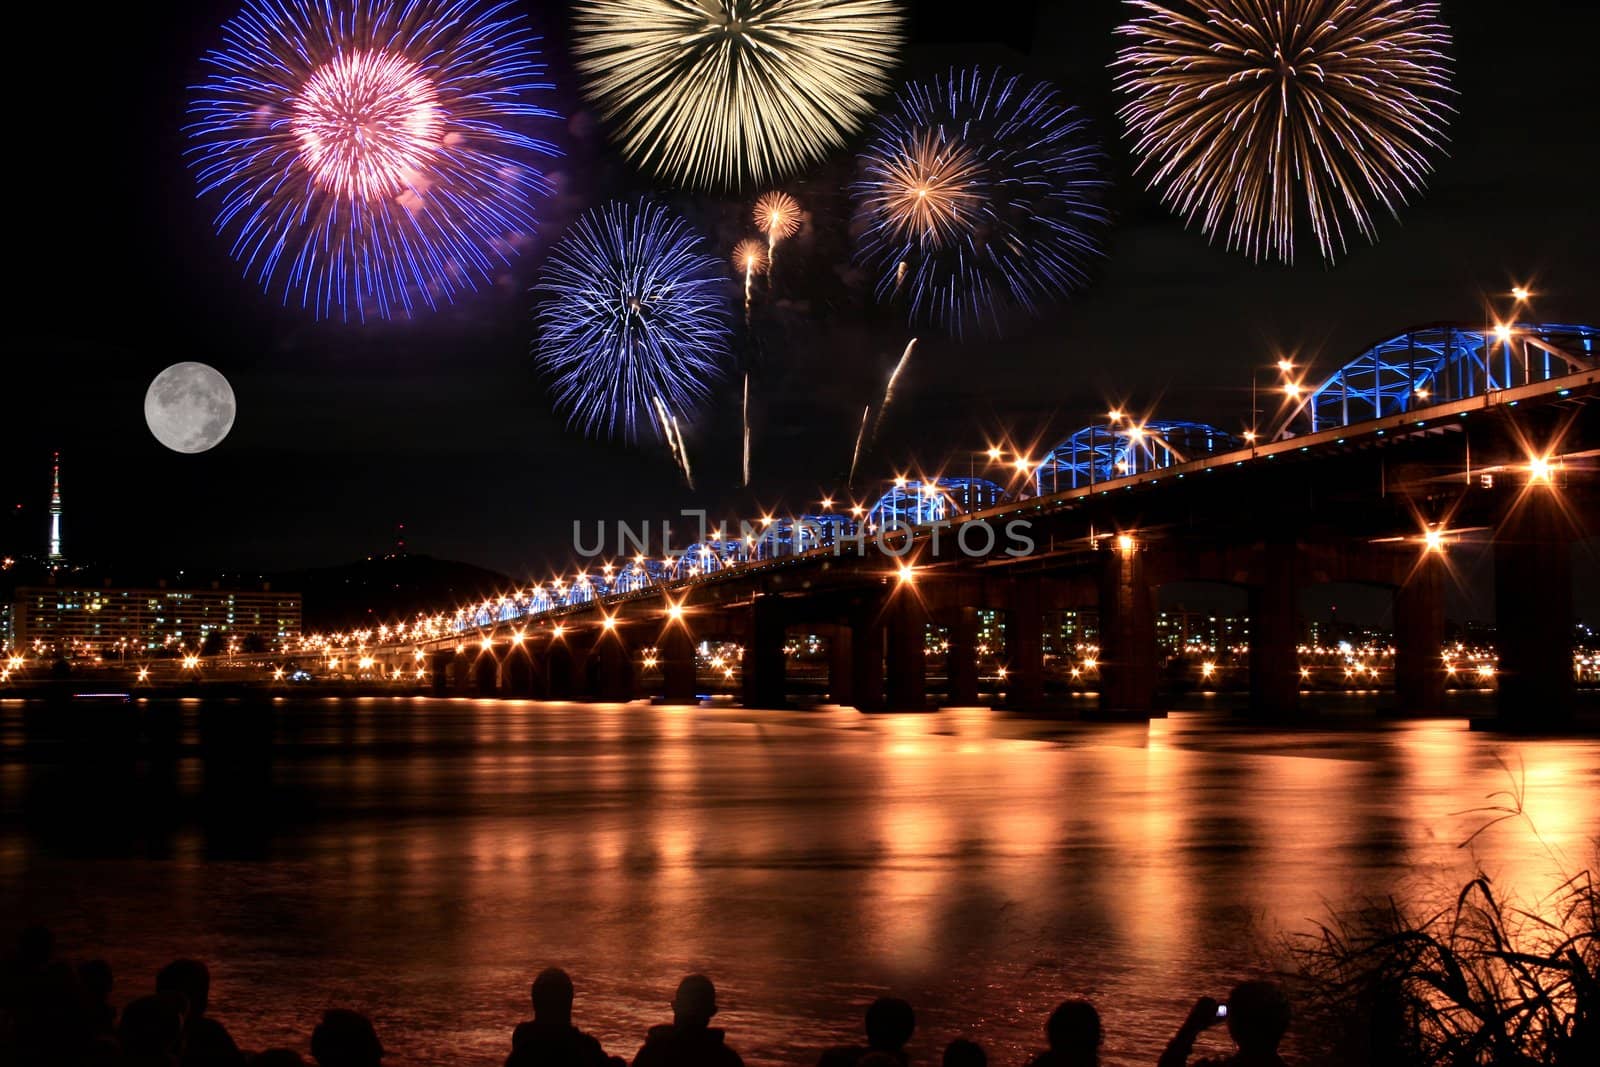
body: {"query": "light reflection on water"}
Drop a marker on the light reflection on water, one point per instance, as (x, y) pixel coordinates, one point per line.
(420, 860)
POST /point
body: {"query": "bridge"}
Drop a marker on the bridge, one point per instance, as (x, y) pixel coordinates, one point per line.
(1438, 436)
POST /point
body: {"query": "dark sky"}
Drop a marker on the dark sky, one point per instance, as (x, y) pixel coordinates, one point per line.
(442, 423)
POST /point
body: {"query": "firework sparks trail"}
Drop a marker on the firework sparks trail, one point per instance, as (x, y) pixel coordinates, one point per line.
(1245, 114)
(855, 457)
(674, 439)
(747, 428)
(888, 390)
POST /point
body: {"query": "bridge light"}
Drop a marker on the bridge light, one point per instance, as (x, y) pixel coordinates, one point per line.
(1023, 463)
(609, 622)
(908, 574)
(559, 630)
(1502, 332)
(1285, 366)
(193, 662)
(994, 454)
(1207, 669)
(900, 481)
(1539, 470)
(827, 503)
(487, 644)
(1520, 293)
(857, 510)
(417, 655)
(1115, 415)
(1292, 390)
(1433, 541)
(1126, 544)
(1250, 436)
(1136, 433)
(1485, 670)
(674, 611)
(144, 673)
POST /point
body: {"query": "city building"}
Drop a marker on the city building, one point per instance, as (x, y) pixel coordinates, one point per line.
(80, 619)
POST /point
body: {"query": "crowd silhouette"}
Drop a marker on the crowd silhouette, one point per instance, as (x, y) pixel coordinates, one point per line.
(55, 1014)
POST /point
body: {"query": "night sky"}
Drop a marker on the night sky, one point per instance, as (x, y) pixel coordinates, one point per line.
(442, 423)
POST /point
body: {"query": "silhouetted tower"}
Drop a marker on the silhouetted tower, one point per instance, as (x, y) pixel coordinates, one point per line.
(55, 511)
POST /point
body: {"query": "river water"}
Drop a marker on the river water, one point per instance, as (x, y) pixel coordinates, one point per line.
(421, 859)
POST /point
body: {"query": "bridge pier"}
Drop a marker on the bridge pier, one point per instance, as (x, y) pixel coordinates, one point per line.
(675, 654)
(561, 671)
(485, 674)
(1025, 645)
(908, 656)
(841, 668)
(1274, 650)
(439, 672)
(1418, 636)
(519, 674)
(961, 661)
(763, 654)
(615, 680)
(1533, 614)
(866, 661)
(1127, 637)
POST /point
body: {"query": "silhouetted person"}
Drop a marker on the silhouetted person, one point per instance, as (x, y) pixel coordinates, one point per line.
(206, 1042)
(345, 1039)
(1074, 1035)
(689, 1040)
(1258, 1017)
(151, 1031)
(550, 1039)
(964, 1053)
(890, 1024)
(45, 1019)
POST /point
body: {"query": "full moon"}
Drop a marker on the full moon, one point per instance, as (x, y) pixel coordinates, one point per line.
(189, 407)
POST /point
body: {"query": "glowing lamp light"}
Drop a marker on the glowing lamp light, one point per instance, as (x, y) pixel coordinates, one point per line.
(1539, 469)
(1115, 415)
(1292, 390)
(608, 623)
(1485, 670)
(1207, 669)
(487, 644)
(1520, 293)
(559, 630)
(1285, 366)
(994, 454)
(1126, 544)
(675, 611)
(1502, 332)
(1250, 436)
(1433, 541)
(908, 574)
(144, 674)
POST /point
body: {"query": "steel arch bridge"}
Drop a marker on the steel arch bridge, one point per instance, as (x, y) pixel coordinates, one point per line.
(1102, 453)
(1445, 362)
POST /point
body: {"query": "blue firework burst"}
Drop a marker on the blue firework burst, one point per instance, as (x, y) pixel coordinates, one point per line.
(633, 318)
(979, 191)
(371, 157)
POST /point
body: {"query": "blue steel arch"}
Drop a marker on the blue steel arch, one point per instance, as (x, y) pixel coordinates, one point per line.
(1100, 453)
(915, 502)
(1448, 361)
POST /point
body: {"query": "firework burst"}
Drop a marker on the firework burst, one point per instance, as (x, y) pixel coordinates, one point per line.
(777, 215)
(721, 93)
(1247, 113)
(979, 191)
(370, 156)
(749, 258)
(632, 321)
